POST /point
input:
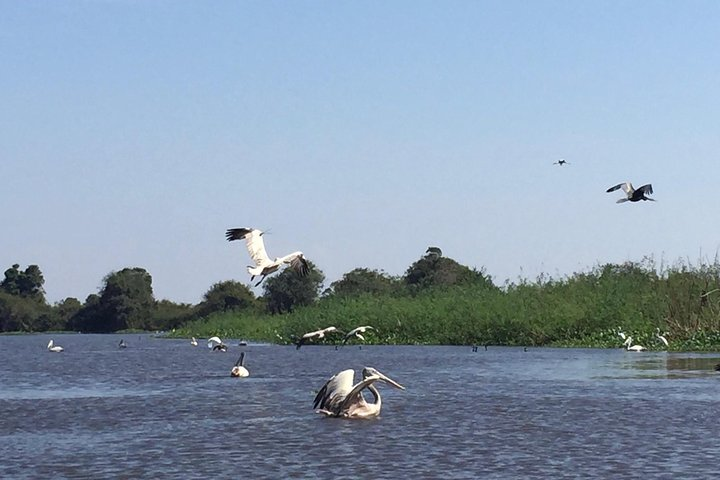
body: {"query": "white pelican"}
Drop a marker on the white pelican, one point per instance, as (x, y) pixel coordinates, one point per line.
(633, 348)
(317, 334)
(263, 265)
(122, 344)
(54, 348)
(632, 194)
(193, 342)
(357, 332)
(340, 398)
(216, 344)
(661, 337)
(239, 369)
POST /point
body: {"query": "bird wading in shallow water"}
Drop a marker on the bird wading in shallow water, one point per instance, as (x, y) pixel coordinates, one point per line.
(632, 194)
(340, 398)
(263, 265)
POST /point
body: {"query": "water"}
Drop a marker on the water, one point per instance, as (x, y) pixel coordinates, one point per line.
(164, 409)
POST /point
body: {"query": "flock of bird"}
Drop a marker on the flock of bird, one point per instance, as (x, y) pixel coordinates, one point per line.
(630, 345)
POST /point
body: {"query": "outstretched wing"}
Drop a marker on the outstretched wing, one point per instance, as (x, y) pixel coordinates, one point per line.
(334, 390)
(254, 243)
(300, 265)
(646, 189)
(616, 187)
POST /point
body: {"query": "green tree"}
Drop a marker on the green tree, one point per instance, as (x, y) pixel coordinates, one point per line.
(363, 280)
(288, 290)
(125, 302)
(434, 271)
(25, 284)
(169, 315)
(226, 296)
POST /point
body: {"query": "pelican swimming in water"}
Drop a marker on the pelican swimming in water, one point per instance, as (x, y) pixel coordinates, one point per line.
(193, 342)
(340, 398)
(632, 194)
(357, 332)
(54, 348)
(633, 348)
(239, 369)
(317, 334)
(216, 344)
(263, 265)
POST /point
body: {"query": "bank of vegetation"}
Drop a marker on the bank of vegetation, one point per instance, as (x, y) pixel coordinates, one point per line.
(436, 301)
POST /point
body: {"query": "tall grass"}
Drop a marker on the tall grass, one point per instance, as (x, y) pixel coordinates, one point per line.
(584, 309)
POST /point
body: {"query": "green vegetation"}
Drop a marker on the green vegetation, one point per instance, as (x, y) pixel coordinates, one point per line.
(437, 301)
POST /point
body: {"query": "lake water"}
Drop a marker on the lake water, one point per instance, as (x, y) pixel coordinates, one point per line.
(164, 409)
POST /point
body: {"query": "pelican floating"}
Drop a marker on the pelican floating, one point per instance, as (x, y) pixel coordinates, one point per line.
(122, 344)
(317, 334)
(357, 332)
(239, 369)
(633, 348)
(193, 342)
(54, 348)
(215, 344)
(340, 398)
(632, 194)
(263, 265)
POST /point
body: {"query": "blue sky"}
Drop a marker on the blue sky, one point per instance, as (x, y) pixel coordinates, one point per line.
(134, 133)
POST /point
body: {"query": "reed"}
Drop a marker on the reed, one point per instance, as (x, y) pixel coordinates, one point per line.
(586, 309)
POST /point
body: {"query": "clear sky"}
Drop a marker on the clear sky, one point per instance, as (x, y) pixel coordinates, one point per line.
(134, 133)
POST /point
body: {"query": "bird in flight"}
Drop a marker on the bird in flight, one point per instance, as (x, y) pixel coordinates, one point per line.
(316, 335)
(561, 162)
(357, 332)
(263, 265)
(632, 194)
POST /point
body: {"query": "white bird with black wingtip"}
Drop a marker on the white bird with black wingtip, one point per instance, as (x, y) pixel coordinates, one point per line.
(263, 265)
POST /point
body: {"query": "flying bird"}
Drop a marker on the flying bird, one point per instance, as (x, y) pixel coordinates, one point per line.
(316, 335)
(263, 265)
(215, 344)
(357, 332)
(340, 398)
(239, 369)
(632, 194)
(54, 348)
(561, 162)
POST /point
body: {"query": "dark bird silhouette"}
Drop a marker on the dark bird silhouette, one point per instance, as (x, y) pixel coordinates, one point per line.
(561, 162)
(632, 194)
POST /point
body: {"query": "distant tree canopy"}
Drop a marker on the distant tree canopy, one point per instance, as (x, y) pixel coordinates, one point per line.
(125, 302)
(24, 284)
(287, 290)
(364, 281)
(434, 271)
(225, 296)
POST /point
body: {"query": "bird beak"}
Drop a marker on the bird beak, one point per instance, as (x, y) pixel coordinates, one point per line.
(390, 381)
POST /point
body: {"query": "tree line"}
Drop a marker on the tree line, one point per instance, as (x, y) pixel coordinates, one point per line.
(125, 300)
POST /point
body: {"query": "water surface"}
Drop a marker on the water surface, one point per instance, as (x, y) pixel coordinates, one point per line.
(164, 409)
